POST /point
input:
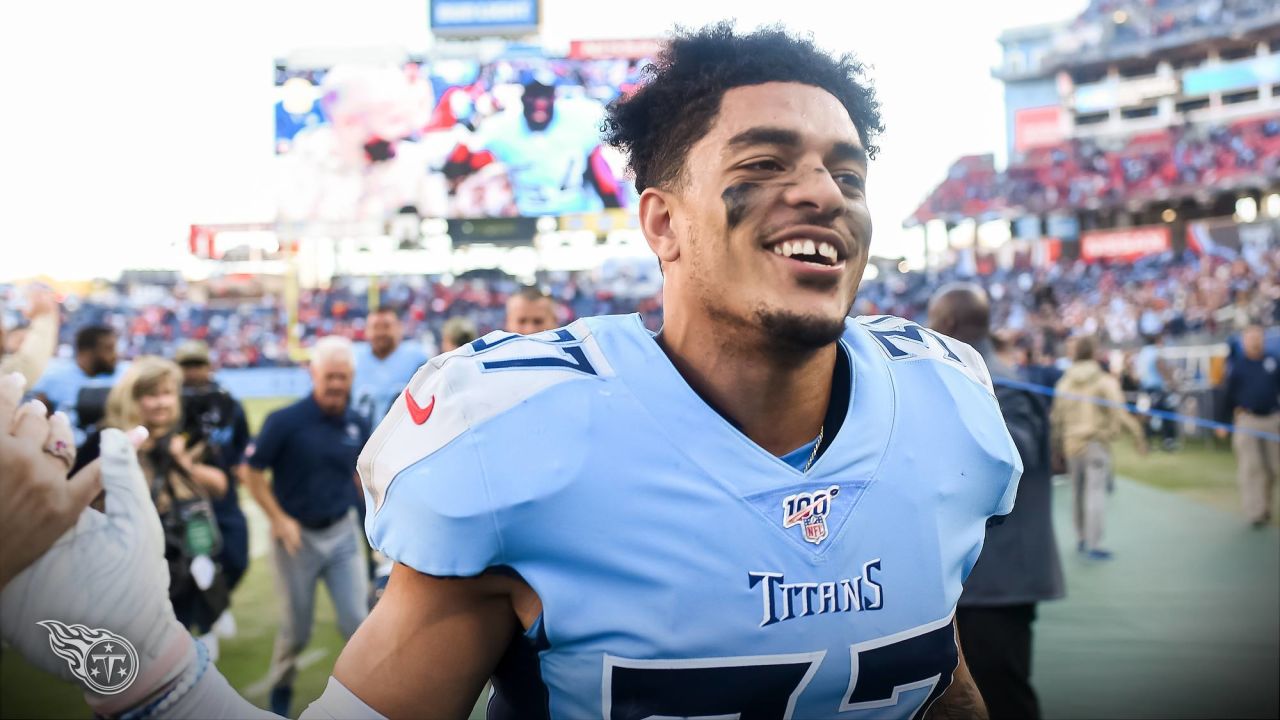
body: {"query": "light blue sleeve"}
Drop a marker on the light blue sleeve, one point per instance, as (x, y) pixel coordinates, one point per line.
(467, 421)
(438, 517)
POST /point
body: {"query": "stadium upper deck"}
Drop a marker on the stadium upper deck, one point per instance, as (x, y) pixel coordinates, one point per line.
(1135, 112)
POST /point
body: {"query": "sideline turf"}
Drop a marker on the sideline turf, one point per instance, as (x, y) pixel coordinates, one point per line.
(1183, 623)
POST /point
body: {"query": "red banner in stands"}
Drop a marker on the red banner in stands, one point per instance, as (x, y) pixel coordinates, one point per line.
(1037, 127)
(1050, 251)
(1126, 244)
(201, 242)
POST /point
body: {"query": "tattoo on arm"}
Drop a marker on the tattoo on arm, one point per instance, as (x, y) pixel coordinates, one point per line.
(961, 701)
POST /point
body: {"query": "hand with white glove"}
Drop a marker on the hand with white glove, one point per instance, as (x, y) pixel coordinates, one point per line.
(103, 581)
(108, 573)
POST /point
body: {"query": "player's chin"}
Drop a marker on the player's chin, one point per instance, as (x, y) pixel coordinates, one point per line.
(802, 330)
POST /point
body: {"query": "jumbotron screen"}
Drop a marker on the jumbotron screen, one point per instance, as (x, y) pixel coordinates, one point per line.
(450, 139)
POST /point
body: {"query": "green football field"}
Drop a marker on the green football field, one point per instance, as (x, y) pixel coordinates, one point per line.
(1183, 623)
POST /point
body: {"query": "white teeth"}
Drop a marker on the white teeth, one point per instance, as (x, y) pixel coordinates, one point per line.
(791, 248)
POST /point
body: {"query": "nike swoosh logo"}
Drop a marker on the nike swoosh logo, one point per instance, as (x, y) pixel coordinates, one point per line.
(419, 414)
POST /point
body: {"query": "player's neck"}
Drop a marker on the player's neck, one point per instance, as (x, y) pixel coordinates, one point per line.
(778, 400)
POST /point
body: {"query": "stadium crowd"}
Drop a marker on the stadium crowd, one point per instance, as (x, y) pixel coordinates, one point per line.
(1106, 173)
(254, 333)
(1189, 298)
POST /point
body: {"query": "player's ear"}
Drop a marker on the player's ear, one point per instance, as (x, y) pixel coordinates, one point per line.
(658, 225)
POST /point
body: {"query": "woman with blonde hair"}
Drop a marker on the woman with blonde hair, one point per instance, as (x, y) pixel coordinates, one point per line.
(182, 485)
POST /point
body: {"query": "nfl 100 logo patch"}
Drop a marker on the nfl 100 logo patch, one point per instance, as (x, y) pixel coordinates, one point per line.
(809, 510)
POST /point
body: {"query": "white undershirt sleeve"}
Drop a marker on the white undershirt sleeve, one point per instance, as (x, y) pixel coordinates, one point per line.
(338, 703)
(213, 697)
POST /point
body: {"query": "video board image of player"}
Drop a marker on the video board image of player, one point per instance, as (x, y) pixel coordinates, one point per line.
(454, 138)
(551, 152)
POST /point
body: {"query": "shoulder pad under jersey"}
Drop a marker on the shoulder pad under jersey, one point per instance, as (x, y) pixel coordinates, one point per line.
(460, 390)
(903, 340)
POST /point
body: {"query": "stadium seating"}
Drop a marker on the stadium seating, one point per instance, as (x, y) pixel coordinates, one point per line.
(1159, 165)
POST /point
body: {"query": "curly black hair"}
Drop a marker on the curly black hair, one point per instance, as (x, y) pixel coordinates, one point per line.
(680, 96)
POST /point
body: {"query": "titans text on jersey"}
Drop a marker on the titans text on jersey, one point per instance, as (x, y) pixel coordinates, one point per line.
(786, 601)
(683, 570)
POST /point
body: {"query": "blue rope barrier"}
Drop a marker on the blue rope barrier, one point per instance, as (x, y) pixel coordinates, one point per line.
(1162, 414)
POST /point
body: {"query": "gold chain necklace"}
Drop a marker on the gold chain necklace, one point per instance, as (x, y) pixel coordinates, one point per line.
(814, 455)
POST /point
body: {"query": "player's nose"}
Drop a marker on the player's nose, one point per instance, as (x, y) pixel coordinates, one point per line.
(816, 189)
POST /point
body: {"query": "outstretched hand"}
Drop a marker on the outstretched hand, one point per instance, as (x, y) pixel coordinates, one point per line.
(41, 300)
(37, 502)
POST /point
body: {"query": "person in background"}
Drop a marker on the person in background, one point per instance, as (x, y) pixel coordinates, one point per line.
(457, 331)
(1040, 368)
(1253, 395)
(310, 447)
(1019, 565)
(383, 366)
(183, 485)
(39, 339)
(1088, 413)
(530, 310)
(1008, 349)
(212, 416)
(1156, 380)
(79, 387)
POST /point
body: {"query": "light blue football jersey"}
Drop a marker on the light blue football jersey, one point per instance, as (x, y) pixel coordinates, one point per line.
(64, 382)
(379, 381)
(547, 167)
(683, 570)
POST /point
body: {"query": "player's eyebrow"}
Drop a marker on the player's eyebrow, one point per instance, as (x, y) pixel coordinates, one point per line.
(765, 136)
(843, 151)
